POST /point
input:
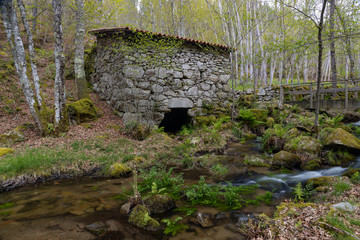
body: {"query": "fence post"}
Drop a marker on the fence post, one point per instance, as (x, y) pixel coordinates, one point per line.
(311, 96)
(346, 95)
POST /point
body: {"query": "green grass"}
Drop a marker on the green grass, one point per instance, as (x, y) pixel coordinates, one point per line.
(340, 188)
(74, 158)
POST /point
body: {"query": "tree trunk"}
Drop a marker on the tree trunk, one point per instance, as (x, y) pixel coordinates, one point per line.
(306, 68)
(18, 52)
(59, 64)
(81, 86)
(181, 30)
(320, 46)
(29, 34)
(34, 16)
(332, 43)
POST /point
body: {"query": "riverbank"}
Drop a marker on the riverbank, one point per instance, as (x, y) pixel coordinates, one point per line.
(251, 148)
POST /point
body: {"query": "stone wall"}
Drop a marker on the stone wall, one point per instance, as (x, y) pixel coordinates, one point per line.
(146, 79)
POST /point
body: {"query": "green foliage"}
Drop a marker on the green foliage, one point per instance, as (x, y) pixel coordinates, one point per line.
(155, 189)
(220, 122)
(219, 171)
(223, 196)
(163, 180)
(247, 117)
(335, 122)
(355, 178)
(340, 188)
(6, 205)
(173, 227)
(186, 130)
(301, 194)
(237, 132)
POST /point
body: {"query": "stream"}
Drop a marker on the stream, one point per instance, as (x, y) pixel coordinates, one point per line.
(61, 209)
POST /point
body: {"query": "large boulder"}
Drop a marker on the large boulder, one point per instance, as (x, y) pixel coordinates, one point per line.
(159, 203)
(4, 151)
(82, 111)
(285, 159)
(340, 138)
(140, 217)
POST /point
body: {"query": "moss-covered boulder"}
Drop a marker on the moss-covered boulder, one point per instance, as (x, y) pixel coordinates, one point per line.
(339, 158)
(321, 184)
(351, 172)
(5, 151)
(255, 161)
(12, 136)
(140, 217)
(314, 163)
(292, 133)
(340, 138)
(82, 111)
(285, 159)
(303, 144)
(159, 203)
(119, 170)
(274, 144)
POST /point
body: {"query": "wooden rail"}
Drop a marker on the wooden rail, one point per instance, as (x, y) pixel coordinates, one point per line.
(346, 86)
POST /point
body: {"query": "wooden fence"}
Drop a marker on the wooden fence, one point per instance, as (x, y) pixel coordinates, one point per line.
(345, 86)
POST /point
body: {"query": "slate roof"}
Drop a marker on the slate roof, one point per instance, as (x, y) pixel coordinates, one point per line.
(114, 30)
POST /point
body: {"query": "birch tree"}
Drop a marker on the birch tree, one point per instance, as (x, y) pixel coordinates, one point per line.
(59, 64)
(81, 86)
(10, 22)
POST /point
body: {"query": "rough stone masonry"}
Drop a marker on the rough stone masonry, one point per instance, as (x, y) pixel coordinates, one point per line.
(144, 75)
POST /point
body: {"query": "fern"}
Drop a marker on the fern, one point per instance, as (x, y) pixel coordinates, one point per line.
(299, 193)
(172, 227)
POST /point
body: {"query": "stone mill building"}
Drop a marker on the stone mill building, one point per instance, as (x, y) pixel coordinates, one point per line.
(158, 79)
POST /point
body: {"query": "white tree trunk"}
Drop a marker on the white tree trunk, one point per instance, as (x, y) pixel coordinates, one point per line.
(18, 52)
(59, 62)
(81, 85)
(306, 78)
(29, 34)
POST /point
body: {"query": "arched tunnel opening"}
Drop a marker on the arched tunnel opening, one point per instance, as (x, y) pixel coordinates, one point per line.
(175, 119)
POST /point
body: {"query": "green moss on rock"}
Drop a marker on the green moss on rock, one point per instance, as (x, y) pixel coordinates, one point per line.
(203, 121)
(313, 164)
(340, 138)
(82, 111)
(285, 159)
(4, 151)
(140, 217)
(159, 203)
(12, 136)
(270, 122)
(119, 169)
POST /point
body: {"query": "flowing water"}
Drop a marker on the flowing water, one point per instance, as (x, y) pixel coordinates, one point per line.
(61, 209)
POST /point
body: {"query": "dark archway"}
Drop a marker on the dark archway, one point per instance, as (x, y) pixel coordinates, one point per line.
(174, 120)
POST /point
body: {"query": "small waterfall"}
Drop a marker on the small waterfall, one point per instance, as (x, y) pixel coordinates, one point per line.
(280, 184)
